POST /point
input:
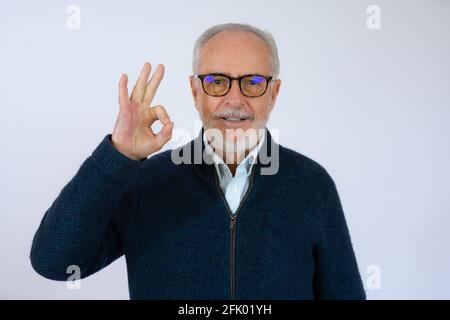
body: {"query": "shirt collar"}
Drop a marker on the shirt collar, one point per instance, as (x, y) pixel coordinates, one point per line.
(248, 162)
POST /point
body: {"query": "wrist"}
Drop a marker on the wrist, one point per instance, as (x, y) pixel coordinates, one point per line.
(123, 151)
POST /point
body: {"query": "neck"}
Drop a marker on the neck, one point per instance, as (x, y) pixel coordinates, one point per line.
(233, 159)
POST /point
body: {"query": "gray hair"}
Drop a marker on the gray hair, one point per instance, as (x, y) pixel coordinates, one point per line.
(238, 27)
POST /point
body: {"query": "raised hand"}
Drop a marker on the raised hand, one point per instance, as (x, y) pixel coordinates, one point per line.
(132, 134)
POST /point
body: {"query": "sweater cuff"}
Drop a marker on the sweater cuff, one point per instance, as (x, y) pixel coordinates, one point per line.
(113, 163)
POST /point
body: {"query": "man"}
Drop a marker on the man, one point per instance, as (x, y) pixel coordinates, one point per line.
(220, 228)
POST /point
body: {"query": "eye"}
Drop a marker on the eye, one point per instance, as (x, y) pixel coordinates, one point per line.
(256, 80)
(213, 79)
(209, 79)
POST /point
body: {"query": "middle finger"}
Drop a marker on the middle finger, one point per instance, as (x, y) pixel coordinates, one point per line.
(139, 88)
(153, 84)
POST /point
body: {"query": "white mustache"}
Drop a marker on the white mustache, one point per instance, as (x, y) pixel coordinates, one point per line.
(234, 113)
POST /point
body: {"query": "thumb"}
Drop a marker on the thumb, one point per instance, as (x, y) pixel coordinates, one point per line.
(164, 135)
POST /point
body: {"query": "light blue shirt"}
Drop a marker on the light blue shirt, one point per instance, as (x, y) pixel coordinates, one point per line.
(234, 188)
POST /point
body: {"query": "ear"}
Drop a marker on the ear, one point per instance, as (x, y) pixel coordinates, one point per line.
(194, 90)
(274, 92)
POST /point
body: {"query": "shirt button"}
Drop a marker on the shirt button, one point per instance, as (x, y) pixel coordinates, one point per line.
(235, 189)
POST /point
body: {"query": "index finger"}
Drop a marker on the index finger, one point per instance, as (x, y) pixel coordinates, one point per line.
(153, 84)
(159, 113)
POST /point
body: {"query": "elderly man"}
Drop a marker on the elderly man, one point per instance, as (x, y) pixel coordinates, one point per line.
(218, 228)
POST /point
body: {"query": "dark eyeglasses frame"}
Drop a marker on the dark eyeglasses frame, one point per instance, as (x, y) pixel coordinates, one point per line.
(230, 79)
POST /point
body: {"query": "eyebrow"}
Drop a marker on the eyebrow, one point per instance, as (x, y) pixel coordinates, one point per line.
(228, 74)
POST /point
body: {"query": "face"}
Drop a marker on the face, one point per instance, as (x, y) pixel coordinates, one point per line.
(234, 54)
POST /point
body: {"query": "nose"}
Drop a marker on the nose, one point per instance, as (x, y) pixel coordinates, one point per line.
(235, 91)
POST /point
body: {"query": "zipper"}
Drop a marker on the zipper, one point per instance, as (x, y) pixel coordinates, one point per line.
(233, 220)
(232, 255)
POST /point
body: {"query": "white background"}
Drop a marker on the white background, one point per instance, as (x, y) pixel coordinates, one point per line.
(371, 106)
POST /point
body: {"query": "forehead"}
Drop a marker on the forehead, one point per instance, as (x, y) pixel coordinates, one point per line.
(235, 53)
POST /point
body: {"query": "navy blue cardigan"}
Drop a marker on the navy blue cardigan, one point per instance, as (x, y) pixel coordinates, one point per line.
(289, 239)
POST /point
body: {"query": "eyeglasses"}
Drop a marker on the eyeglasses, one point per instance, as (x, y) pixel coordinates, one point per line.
(218, 85)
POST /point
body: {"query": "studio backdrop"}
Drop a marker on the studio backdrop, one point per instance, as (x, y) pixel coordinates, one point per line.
(365, 92)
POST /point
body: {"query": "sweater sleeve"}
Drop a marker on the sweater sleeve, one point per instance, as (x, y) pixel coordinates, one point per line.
(336, 275)
(85, 224)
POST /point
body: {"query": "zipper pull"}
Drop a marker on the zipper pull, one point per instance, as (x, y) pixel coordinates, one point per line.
(232, 222)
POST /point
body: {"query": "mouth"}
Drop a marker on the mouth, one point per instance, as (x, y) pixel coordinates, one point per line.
(235, 122)
(235, 119)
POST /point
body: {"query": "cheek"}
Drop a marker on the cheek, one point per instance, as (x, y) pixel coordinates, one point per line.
(208, 104)
(261, 109)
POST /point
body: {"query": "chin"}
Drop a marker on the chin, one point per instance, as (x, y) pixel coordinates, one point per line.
(239, 145)
(237, 137)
